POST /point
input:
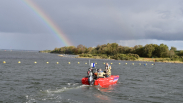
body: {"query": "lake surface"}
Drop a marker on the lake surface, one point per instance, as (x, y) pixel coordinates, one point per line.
(42, 82)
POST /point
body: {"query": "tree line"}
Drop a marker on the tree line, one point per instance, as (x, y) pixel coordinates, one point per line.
(118, 52)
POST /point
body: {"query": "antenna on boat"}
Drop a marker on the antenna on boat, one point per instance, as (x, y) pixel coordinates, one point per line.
(89, 63)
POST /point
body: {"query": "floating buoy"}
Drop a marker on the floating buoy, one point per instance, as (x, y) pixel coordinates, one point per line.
(78, 62)
(119, 63)
(35, 62)
(47, 62)
(85, 63)
(132, 63)
(139, 63)
(57, 62)
(19, 61)
(152, 64)
(104, 62)
(111, 63)
(95, 63)
(126, 63)
(4, 62)
(69, 62)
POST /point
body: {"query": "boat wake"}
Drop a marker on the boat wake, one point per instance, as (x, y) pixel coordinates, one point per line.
(64, 89)
(54, 95)
(72, 93)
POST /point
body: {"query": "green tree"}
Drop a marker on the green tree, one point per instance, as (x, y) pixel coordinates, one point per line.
(163, 51)
(155, 53)
(171, 53)
(138, 49)
(127, 50)
(89, 50)
(173, 48)
(148, 50)
(81, 49)
(180, 53)
(121, 49)
(114, 48)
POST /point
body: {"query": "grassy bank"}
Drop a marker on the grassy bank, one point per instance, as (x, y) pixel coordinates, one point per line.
(132, 57)
(165, 60)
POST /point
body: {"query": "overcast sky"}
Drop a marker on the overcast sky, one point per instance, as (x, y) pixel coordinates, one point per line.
(91, 23)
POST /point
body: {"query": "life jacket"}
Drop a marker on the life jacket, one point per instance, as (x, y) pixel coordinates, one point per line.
(108, 70)
(100, 74)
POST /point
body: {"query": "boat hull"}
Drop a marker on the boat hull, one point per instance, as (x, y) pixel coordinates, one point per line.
(102, 81)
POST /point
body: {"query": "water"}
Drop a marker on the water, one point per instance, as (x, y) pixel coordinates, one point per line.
(27, 82)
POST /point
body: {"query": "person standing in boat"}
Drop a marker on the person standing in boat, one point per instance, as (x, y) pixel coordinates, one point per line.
(90, 71)
(108, 70)
(90, 76)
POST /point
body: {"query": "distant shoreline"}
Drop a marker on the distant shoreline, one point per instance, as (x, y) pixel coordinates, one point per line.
(157, 60)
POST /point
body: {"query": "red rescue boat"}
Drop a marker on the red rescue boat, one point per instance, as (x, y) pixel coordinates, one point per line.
(102, 81)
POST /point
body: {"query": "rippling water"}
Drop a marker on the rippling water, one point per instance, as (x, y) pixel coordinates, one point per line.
(27, 82)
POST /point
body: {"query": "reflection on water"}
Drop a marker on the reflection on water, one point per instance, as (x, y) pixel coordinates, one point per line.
(102, 97)
(103, 90)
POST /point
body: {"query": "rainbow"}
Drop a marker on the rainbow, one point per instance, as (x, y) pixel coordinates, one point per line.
(48, 22)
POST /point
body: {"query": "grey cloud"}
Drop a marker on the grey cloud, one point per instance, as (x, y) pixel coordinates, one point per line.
(97, 21)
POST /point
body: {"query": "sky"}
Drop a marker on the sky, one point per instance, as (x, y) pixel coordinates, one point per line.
(47, 24)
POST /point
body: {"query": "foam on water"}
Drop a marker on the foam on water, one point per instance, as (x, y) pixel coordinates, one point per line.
(64, 89)
(55, 94)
